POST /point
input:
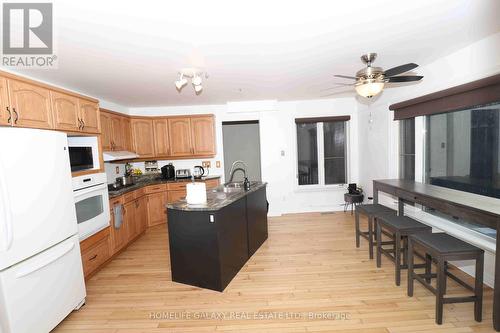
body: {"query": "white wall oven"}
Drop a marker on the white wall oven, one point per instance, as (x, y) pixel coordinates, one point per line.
(83, 153)
(91, 203)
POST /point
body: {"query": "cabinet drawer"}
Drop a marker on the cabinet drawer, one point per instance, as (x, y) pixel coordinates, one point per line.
(155, 188)
(95, 256)
(130, 196)
(115, 201)
(177, 186)
(174, 196)
(139, 193)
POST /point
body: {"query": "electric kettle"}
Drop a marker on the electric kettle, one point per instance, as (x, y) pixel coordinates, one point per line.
(198, 171)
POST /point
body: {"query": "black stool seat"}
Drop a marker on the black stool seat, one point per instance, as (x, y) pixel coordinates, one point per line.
(369, 210)
(442, 243)
(443, 248)
(400, 223)
(397, 228)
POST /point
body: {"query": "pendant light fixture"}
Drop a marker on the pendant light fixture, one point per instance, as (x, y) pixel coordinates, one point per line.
(196, 79)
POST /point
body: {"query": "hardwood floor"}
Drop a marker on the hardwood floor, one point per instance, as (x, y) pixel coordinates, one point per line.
(308, 266)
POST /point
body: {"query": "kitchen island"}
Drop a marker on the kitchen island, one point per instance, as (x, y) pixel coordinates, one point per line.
(210, 243)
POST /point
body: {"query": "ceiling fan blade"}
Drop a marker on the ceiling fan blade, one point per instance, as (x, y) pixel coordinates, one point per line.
(406, 78)
(400, 69)
(340, 85)
(346, 77)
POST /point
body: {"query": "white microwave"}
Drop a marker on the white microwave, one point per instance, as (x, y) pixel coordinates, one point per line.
(84, 153)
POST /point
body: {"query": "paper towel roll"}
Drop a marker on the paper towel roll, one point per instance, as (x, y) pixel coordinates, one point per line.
(196, 193)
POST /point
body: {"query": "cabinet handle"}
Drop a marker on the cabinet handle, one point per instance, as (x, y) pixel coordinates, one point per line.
(79, 124)
(95, 256)
(17, 115)
(83, 124)
(10, 115)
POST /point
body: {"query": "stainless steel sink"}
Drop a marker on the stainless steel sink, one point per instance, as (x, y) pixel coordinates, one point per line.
(233, 187)
(238, 184)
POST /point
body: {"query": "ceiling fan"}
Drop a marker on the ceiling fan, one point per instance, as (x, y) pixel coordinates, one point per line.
(370, 81)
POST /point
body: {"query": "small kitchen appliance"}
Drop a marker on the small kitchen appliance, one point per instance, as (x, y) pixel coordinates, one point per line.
(198, 172)
(168, 172)
(182, 173)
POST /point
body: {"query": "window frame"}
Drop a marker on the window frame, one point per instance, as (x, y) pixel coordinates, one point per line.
(321, 158)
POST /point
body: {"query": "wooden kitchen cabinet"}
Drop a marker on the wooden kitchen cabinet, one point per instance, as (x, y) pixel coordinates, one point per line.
(30, 105)
(127, 134)
(156, 208)
(130, 220)
(117, 135)
(203, 135)
(65, 112)
(142, 137)
(174, 196)
(119, 237)
(5, 115)
(180, 137)
(89, 114)
(161, 138)
(95, 251)
(106, 131)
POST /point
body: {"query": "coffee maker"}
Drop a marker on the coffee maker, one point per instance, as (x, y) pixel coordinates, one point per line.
(168, 172)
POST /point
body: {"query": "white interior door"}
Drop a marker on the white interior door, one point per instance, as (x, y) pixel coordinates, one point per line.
(37, 207)
(38, 293)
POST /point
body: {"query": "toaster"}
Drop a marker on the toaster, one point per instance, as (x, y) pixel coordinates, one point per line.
(182, 173)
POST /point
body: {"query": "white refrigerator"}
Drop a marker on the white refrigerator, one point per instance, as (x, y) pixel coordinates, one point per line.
(41, 275)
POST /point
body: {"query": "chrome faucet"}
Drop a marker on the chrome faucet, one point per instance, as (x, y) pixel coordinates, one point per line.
(233, 169)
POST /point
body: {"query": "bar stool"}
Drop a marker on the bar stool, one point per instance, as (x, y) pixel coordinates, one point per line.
(398, 228)
(443, 247)
(368, 210)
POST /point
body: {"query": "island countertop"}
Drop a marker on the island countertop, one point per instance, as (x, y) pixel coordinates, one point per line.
(217, 198)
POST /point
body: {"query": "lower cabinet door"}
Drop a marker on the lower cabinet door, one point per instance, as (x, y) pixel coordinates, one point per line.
(156, 208)
(119, 234)
(130, 216)
(142, 214)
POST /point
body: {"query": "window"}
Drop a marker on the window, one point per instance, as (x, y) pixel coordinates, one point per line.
(321, 151)
(407, 149)
(462, 149)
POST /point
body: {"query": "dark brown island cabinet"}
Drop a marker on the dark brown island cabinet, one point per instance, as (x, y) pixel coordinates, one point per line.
(210, 243)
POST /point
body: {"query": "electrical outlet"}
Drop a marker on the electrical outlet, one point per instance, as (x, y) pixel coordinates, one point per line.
(217, 164)
(205, 164)
(117, 170)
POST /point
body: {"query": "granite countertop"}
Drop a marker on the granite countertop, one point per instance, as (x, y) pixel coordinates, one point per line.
(217, 198)
(146, 180)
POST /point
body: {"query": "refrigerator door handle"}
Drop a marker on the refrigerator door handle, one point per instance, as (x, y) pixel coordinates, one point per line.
(7, 218)
(29, 270)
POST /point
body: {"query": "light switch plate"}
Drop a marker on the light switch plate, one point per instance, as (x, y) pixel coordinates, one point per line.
(205, 164)
(117, 170)
(217, 164)
(211, 218)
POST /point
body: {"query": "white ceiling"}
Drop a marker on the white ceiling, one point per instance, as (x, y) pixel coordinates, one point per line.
(129, 52)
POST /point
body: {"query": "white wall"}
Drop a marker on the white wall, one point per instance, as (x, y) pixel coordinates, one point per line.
(277, 134)
(379, 138)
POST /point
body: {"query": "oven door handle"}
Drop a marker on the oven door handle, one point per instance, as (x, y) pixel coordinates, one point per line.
(87, 190)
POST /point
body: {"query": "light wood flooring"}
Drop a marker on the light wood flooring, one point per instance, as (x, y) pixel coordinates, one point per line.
(308, 266)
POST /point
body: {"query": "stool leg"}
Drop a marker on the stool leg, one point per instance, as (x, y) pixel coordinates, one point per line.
(352, 208)
(379, 246)
(428, 267)
(397, 257)
(478, 288)
(356, 223)
(441, 277)
(410, 268)
(445, 283)
(370, 236)
(404, 242)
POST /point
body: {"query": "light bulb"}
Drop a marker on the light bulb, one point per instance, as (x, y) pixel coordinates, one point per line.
(196, 80)
(198, 88)
(369, 88)
(181, 82)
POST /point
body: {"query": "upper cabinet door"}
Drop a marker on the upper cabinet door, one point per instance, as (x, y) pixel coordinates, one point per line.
(117, 133)
(106, 131)
(142, 136)
(203, 133)
(5, 115)
(127, 134)
(89, 114)
(162, 145)
(65, 112)
(31, 106)
(179, 132)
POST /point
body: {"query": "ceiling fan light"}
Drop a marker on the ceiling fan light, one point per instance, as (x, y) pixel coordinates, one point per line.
(181, 82)
(369, 89)
(196, 81)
